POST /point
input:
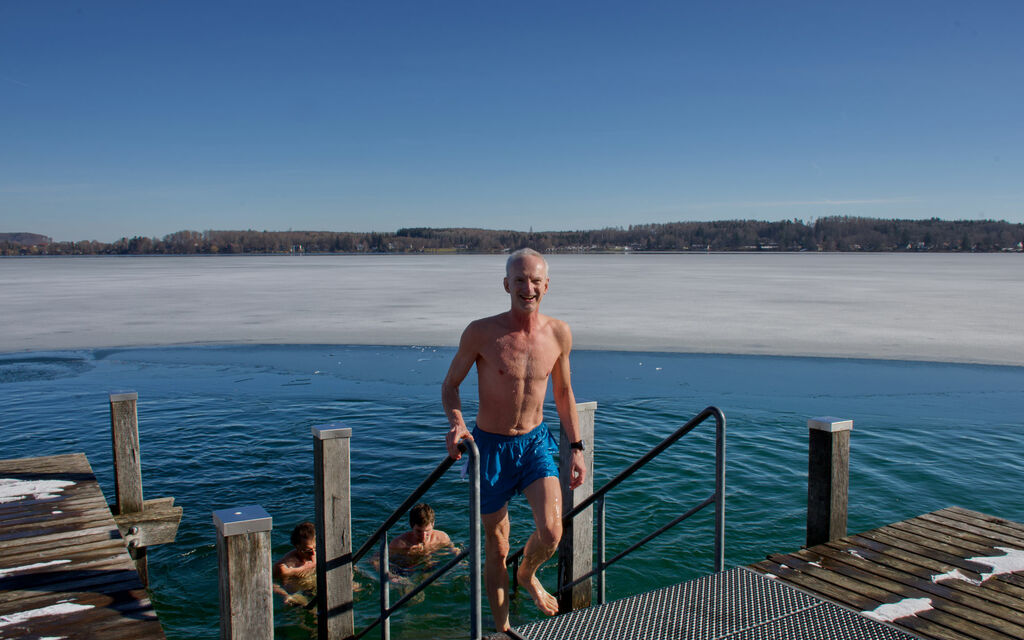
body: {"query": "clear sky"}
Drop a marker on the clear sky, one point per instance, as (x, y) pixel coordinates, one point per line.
(144, 118)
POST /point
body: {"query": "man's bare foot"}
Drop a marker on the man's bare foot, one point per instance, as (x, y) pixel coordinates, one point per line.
(546, 602)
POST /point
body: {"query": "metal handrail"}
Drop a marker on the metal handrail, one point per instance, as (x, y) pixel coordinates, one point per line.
(717, 498)
(468, 447)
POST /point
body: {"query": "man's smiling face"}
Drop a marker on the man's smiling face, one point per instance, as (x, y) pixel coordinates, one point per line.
(527, 282)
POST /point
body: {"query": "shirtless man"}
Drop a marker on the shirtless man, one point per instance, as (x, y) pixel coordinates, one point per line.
(515, 353)
(296, 570)
(414, 546)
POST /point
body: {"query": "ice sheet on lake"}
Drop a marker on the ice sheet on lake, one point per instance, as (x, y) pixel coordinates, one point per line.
(949, 307)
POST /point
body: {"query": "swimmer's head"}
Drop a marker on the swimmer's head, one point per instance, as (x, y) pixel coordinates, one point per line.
(422, 514)
(304, 539)
(421, 519)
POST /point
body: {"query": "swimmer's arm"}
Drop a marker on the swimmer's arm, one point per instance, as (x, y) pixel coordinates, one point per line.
(444, 542)
(283, 570)
(565, 403)
(450, 399)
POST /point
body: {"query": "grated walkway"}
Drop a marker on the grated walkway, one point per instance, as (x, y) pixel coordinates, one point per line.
(738, 604)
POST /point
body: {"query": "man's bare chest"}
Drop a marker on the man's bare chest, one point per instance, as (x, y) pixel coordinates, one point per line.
(524, 358)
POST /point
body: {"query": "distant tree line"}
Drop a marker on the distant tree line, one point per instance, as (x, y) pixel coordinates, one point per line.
(824, 234)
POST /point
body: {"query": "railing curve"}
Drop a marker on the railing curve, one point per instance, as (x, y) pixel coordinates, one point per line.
(476, 627)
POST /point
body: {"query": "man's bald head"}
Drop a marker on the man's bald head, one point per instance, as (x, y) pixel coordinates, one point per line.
(521, 254)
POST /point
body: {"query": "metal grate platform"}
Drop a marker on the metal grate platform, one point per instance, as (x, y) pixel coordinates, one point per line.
(738, 604)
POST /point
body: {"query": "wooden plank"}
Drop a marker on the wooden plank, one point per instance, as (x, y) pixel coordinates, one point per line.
(961, 619)
(1005, 619)
(901, 560)
(1006, 536)
(817, 585)
(942, 531)
(919, 555)
(84, 545)
(63, 463)
(922, 627)
(993, 521)
(885, 560)
(931, 532)
(81, 560)
(928, 547)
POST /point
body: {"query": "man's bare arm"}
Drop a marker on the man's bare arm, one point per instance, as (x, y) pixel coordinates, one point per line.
(565, 403)
(450, 399)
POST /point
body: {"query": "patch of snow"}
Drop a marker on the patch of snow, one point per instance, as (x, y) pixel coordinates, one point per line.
(1012, 562)
(12, 490)
(53, 610)
(901, 609)
(955, 574)
(29, 567)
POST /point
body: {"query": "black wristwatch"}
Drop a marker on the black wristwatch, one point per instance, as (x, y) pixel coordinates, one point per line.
(578, 445)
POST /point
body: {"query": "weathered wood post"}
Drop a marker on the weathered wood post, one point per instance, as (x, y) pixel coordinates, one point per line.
(331, 457)
(828, 479)
(576, 550)
(124, 430)
(243, 559)
(142, 523)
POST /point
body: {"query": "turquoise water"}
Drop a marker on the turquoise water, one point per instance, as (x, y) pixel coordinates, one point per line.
(228, 426)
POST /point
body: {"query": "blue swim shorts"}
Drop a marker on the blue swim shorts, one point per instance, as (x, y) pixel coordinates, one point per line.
(509, 464)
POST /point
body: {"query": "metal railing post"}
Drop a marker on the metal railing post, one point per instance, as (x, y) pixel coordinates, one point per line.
(475, 586)
(600, 550)
(719, 491)
(243, 559)
(385, 588)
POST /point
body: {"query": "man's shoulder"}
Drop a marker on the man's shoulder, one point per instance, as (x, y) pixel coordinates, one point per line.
(287, 560)
(487, 326)
(559, 328)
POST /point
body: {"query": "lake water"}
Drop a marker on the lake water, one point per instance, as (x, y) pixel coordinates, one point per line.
(228, 425)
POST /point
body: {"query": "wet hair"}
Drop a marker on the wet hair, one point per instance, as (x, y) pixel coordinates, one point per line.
(302, 532)
(516, 256)
(422, 515)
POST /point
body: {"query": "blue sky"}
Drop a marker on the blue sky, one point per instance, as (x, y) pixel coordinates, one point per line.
(144, 118)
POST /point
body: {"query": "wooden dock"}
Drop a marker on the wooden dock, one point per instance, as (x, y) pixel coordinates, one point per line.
(64, 569)
(956, 574)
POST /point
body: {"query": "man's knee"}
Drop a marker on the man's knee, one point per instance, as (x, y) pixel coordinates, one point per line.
(550, 533)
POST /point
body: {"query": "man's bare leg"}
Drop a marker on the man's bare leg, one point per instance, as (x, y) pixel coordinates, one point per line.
(545, 498)
(496, 530)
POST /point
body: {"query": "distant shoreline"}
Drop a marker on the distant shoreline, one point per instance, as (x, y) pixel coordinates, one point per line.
(830, 233)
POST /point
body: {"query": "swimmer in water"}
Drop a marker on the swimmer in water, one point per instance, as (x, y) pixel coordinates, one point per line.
(296, 570)
(416, 546)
